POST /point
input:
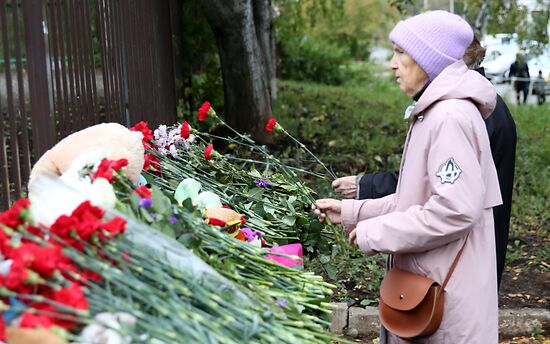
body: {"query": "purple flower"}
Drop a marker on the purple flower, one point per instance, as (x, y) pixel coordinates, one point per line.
(145, 203)
(282, 303)
(262, 183)
(251, 235)
(172, 220)
(154, 216)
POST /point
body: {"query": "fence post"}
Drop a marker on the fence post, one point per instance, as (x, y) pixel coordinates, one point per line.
(43, 124)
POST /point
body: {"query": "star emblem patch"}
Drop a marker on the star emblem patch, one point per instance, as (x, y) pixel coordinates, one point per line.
(449, 171)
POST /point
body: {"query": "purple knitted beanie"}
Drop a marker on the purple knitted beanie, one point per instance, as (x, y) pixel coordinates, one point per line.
(434, 39)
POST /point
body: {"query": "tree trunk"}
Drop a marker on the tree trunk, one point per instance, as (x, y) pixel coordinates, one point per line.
(244, 34)
(482, 18)
(265, 31)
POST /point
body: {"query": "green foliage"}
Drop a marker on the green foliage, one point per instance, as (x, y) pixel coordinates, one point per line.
(364, 24)
(316, 38)
(196, 54)
(513, 17)
(352, 128)
(532, 178)
(351, 268)
(309, 59)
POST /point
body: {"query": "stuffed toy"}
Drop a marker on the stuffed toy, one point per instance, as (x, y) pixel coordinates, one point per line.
(106, 140)
(32, 336)
(56, 185)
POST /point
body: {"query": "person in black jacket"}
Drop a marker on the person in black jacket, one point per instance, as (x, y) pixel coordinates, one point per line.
(502, 136)
(520, 70)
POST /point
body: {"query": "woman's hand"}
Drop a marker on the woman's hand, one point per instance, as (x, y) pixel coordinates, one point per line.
(328, 207)
(353, 237)
(346, 186)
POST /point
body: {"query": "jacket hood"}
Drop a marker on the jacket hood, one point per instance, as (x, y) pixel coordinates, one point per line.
(458, 82)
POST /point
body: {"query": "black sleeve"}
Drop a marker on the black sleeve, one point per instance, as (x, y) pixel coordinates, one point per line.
(502, 136)
(378, 184)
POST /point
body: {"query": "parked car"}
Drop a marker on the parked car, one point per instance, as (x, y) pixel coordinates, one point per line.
(498, 68)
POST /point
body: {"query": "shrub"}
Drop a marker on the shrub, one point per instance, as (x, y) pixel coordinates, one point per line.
(309, 59)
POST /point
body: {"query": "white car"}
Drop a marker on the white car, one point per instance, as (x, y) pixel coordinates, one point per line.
(497, 69)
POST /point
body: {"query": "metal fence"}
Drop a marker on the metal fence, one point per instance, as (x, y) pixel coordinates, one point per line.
(69, 64)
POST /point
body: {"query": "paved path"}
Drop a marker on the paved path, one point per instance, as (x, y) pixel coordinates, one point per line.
(359, 322)
(509, 96)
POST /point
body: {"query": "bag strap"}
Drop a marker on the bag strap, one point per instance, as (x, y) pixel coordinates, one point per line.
(453, 266)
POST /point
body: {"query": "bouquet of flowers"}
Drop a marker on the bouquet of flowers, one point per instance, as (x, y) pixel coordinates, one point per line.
(267, 192)
(93, 276)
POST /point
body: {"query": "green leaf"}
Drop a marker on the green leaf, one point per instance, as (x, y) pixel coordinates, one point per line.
(188, 204)
(288, 220)
(367, 302)
(331, 271)
(168, 230)
(269, 209)
(187, 188)
(324, 259)
(256, 193)
(149, 178)
(289, 187)
(161, 203)
(208, 199)
(254, 173)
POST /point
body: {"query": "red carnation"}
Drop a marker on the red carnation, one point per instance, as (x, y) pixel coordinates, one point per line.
(30, 320)
(143, 127)
(185, 130)
(13, 217)
(208, 152)
(17, 276)
(143, 192)
(43, 260)
(152, 163)
(71, 296)
(270, 124)
(115, 226)
(63, 226)
(2, 329)
(107, 167)
(204, 110)
(87, 212)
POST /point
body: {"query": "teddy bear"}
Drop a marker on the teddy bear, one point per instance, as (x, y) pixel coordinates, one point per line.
(57, 185)
(109, 140)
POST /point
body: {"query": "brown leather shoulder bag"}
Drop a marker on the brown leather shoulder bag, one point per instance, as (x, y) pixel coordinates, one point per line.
(411, 305)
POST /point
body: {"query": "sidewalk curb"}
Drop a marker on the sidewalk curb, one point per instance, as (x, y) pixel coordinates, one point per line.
(363, 322)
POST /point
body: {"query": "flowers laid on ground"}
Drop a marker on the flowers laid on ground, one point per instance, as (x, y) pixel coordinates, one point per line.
(44, 286)
(192, 201)
(275, 201)
(132, 284)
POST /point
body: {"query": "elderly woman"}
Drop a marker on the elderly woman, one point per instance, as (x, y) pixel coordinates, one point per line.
(447, 182)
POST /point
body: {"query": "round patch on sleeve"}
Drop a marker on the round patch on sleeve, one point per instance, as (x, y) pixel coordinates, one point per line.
(449, 171)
